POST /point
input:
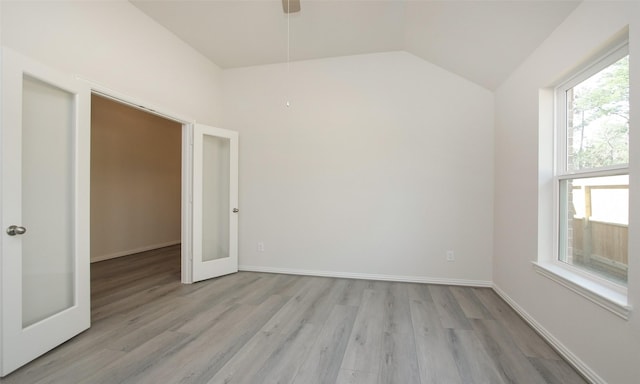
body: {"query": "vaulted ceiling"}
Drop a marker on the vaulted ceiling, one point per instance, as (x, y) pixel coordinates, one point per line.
(483, 41)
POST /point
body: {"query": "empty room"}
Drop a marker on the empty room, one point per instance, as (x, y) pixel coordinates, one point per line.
(361, 191)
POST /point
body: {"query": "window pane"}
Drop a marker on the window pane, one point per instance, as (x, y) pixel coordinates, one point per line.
(215, 197)
(47, 201)
(594, 219)
(598, 119)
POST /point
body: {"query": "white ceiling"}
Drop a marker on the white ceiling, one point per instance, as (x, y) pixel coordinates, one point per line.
(483, 41)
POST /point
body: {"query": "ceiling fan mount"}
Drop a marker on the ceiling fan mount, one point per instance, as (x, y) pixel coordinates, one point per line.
(291, 6)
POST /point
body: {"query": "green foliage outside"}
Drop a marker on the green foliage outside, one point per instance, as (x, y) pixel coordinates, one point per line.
(599, 119)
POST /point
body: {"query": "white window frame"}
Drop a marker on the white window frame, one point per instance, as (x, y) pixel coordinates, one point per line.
(610, 57)
(600, 290)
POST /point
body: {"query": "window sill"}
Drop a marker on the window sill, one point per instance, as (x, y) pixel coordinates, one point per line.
(605, 297)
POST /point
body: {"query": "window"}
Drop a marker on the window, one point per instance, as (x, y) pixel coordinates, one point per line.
(592, 175)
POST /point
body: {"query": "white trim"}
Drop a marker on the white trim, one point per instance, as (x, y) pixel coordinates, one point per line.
(614, 170)
(569, 356)
(607, 298)
(617, 52)
(368, 276)
(133, 102)
(186, 252)
(134, 250)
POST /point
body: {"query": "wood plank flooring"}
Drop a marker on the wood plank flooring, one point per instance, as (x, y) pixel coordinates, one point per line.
(266, 328)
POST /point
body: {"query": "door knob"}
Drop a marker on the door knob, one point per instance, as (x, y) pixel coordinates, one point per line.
(235, 210)
(15, 230)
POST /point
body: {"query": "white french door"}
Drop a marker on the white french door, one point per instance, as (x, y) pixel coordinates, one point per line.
(45, 144)
(215, 202)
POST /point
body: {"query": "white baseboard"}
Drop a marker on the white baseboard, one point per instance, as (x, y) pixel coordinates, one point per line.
(132, 251)
(571, 358)
(368, 276)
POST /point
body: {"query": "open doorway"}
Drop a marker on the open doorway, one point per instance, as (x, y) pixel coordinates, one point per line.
(136, 183)
(205, 181)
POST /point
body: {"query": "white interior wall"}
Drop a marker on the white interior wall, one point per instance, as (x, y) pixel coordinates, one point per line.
(607, 345)
(115, 45)
(382, 163)
(370, 169)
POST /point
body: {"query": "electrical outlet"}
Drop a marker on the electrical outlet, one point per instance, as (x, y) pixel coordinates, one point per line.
(260, 246)
(451, 256)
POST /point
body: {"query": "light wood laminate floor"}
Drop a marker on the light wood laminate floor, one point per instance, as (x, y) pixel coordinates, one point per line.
(266, 328)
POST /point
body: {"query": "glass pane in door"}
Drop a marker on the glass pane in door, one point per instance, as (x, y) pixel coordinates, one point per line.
(47, 200)
(215, 197)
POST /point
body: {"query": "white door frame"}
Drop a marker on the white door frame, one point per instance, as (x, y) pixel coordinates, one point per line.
(186, 251)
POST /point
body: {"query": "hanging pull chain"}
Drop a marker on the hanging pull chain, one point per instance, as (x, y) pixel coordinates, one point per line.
(288, 103)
